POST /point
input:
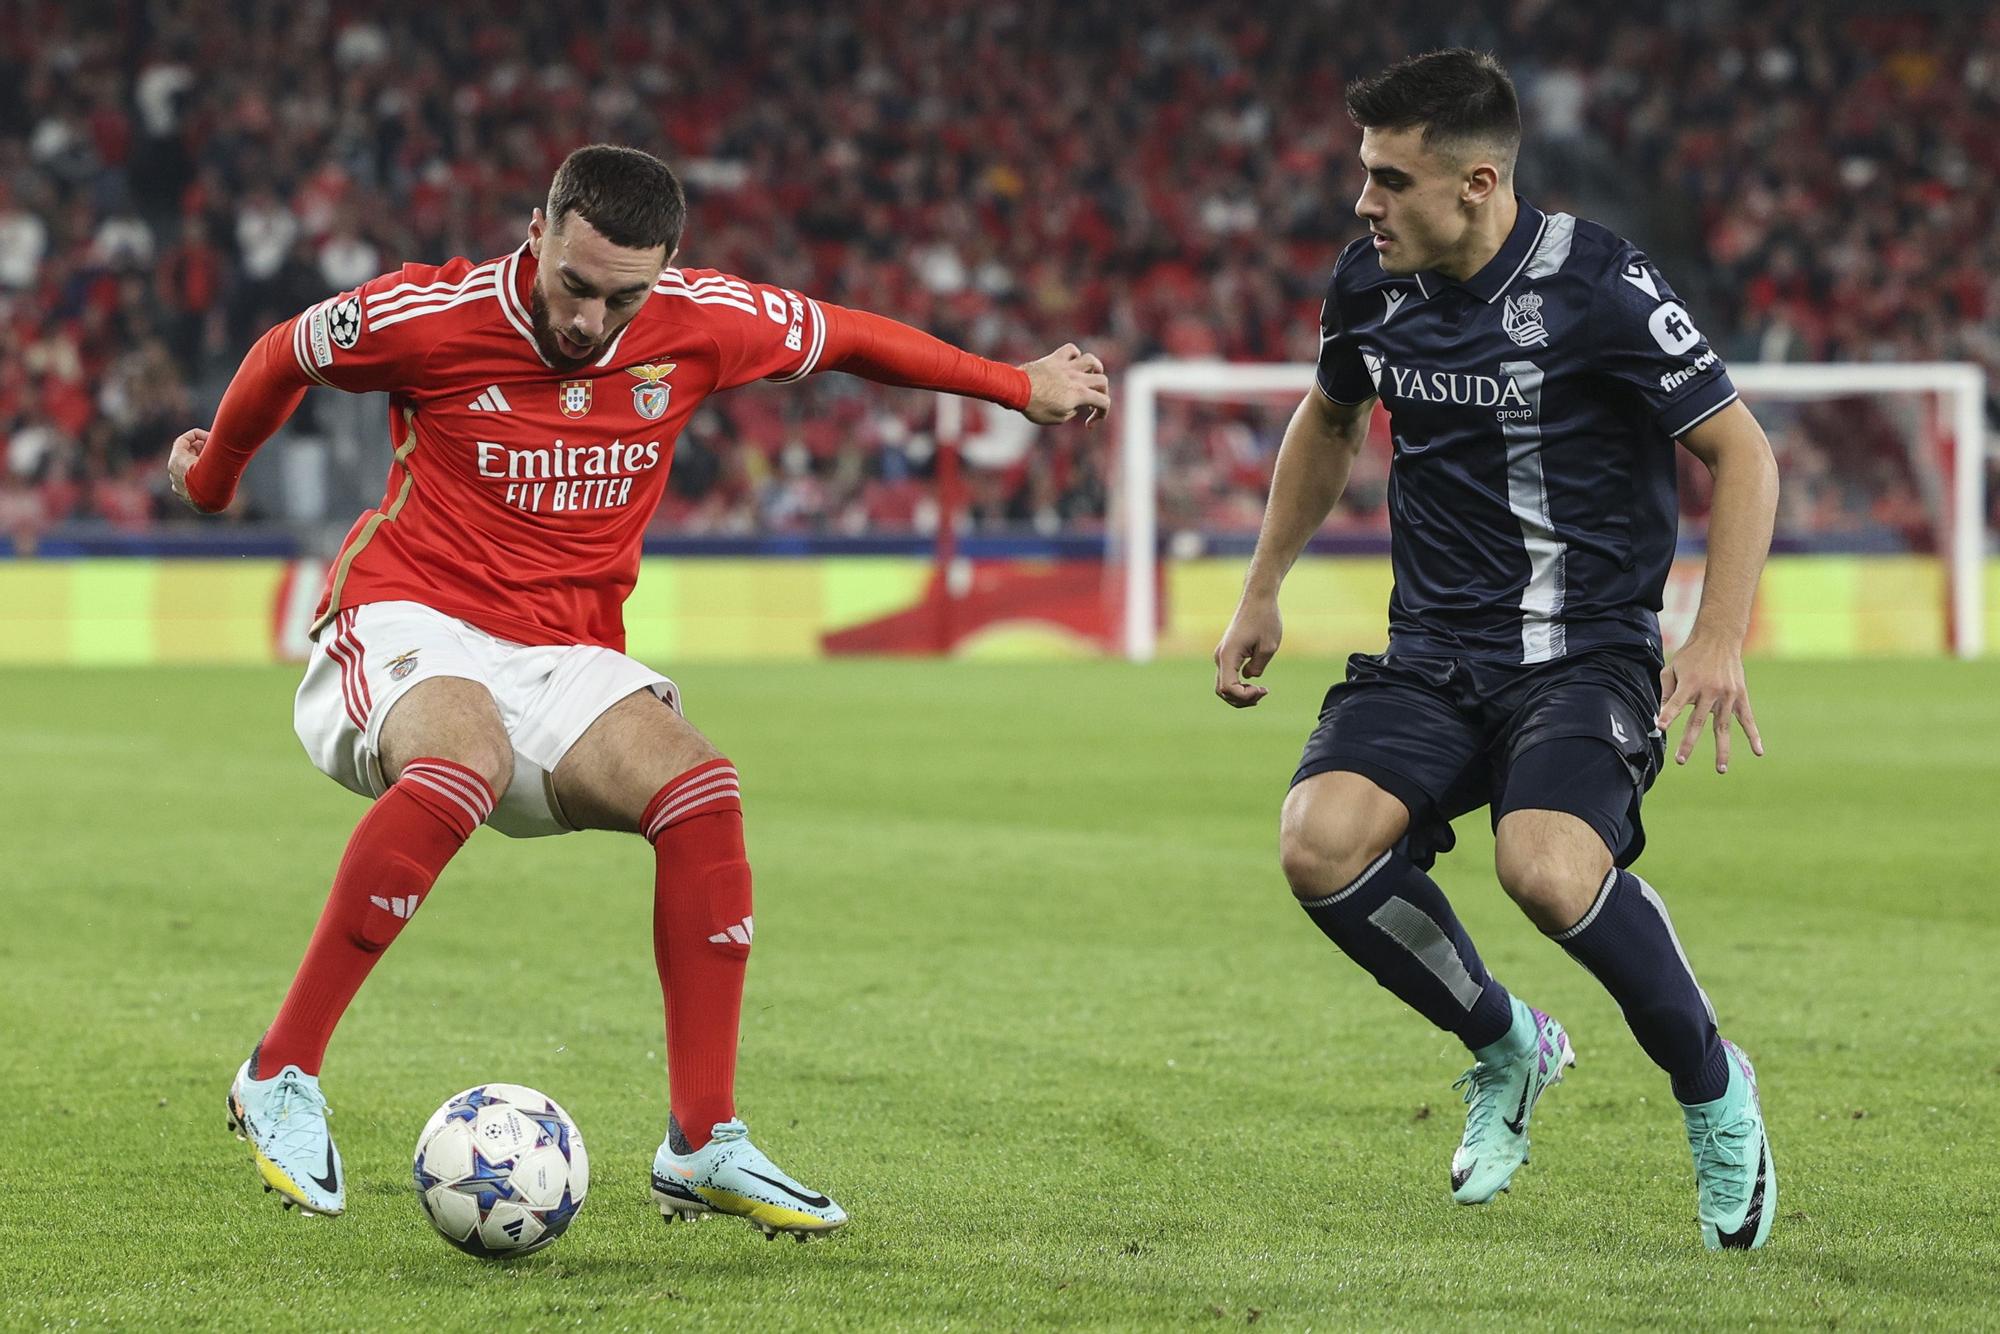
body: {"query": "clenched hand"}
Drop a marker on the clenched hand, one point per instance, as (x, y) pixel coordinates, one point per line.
(1065, 382)
(187, 448)
(1246, 649)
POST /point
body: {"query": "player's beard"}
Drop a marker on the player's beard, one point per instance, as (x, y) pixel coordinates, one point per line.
(545, 334)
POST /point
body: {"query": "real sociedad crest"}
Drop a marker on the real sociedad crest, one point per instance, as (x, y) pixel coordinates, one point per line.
(651, 394)
(1522, 319)
(575, 398)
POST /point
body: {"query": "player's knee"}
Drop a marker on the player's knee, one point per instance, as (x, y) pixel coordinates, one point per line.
(1319, 859)
(1552, 889)
(691, 751)
(492, 758)
(449, 718)
(1330, 833)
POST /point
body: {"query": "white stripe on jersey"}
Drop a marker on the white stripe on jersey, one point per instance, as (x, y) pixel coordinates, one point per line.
(301, 350)
(510, 304)
(813, 349)
(736, 285)
(407, 293)
(616, 339)
(716, 298)
(435, 306)
(1685, 427)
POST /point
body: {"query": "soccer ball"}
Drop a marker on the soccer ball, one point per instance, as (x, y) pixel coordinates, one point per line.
(501, 1170)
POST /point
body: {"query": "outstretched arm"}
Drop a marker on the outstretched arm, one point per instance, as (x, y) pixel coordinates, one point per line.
(1707, 674)
(1314, 460)
(204, 466)
(1053, 389)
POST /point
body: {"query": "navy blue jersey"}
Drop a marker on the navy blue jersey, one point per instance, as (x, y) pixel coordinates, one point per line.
(1534, 409)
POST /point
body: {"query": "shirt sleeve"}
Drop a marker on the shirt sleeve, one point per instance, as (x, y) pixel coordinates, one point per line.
(761, 332)
(368, 339)
(1341, 374)
(1642, 337)
(377, 337)
(887, 352)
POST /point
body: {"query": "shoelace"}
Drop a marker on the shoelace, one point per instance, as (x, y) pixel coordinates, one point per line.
(294, 1094)
(292, 1089)
(1482, 1084)
(1721, 1152)
(728, 1132)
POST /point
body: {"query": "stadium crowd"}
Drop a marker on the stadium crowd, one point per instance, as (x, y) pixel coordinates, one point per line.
(1155, 180)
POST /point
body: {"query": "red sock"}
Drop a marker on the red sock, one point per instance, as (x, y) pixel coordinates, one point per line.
(392, 859)
(701, 937)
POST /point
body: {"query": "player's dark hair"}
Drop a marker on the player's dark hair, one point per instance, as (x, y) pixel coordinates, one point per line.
(1457, 96)
(632, 198)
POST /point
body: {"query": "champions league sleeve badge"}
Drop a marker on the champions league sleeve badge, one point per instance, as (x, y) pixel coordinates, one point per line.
(574, 398)
(343, 322)
(650, 395)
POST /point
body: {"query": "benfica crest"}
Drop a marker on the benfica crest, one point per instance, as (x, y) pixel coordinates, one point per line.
(650, 395)
(575, 398)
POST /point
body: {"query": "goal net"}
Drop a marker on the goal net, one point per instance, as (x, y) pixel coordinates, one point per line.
(1880, 538)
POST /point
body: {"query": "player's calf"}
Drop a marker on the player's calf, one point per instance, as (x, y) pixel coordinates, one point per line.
(393, 858)
(1388, 916)
(1627, 941)
(702, 928)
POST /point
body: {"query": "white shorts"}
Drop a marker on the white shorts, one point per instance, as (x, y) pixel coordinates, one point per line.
(367, 656)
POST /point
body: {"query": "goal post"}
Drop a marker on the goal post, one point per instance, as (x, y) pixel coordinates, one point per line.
(1947, 449)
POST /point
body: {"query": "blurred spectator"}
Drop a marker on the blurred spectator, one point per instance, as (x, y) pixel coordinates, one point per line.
(1156, 179)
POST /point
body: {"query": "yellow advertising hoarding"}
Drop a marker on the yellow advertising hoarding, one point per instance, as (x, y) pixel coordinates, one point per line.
(137, 612)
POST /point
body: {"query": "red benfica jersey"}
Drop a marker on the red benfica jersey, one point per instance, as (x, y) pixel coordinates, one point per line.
(519, 494)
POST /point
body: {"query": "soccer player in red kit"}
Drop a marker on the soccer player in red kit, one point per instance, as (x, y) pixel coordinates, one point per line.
(468, 663)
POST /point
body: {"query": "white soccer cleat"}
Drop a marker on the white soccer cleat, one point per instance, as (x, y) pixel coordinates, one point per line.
(730, 1175)
(284, 1119)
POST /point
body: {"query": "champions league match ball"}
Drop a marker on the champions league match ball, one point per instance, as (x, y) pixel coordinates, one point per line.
(501, 1170)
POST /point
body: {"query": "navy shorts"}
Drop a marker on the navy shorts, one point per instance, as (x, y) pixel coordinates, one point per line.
(1448, 735)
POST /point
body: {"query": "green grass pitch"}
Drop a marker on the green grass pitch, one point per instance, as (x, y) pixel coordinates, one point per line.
(1029, 996)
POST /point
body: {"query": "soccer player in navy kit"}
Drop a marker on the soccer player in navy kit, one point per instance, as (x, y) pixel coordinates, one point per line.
(1537, 371)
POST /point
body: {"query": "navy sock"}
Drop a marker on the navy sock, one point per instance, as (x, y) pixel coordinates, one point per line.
(1395, 922)
(1627, 942)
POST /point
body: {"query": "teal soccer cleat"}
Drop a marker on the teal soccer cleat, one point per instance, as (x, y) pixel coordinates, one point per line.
(284, 1119)
(1735, 1179)
(730, 1175)
(1500, 1096)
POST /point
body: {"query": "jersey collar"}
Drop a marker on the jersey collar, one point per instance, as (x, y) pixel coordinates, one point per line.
(517, 275)
(1499, 272)
(517, 279)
